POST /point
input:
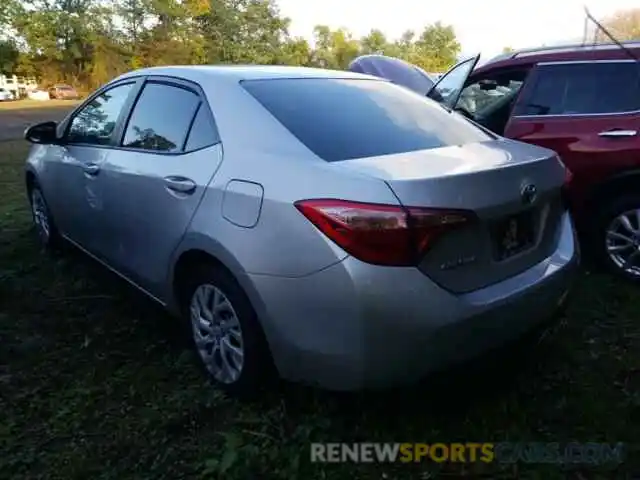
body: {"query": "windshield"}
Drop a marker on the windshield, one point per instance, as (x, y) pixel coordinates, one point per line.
(342, 119)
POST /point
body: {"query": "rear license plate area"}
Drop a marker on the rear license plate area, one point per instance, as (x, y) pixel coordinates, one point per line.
(513, 235)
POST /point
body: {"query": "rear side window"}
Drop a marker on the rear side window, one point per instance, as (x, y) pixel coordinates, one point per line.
(583, 88)
(342, 119)
(203, 131)
(161, 118)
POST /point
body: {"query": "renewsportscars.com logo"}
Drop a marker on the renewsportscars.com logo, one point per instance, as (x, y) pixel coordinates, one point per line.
(486, 452)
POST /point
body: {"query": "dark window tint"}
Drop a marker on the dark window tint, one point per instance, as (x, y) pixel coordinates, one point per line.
(95, 123)
(161, 118)
(203, 131)
(340, 119)
(584, 88)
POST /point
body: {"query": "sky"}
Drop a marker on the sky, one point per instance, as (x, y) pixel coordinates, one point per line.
(481, 27)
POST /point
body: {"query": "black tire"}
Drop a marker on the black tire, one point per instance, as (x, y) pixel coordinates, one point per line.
(257, 371)
(598, 240)
(50, 240)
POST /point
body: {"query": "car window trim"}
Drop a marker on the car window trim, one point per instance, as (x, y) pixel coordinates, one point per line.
(175, 82)
(65, 125)
(191, 123)
(535, 74)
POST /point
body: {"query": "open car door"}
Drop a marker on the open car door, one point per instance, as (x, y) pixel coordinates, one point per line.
(448, 88)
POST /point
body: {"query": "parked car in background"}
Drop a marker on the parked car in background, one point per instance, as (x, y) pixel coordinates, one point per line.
(38, 95)
(584, 103)
(336, 245)
(5, 95)
(63, 92)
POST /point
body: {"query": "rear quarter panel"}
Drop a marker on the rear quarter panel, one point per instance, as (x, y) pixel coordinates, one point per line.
(258, 149)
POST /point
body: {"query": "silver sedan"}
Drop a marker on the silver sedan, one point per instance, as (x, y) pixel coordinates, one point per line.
(330, 227)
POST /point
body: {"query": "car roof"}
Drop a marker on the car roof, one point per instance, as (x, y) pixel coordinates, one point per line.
(563, 53)
(238, 73)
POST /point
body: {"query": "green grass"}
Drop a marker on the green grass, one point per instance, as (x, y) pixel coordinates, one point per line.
(28, 103)
(96, 382)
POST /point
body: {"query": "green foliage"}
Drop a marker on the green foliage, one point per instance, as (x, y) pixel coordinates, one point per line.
(624, 25)
(87, 42)
(8, 56)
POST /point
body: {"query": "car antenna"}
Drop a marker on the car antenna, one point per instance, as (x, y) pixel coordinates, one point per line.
(610, 35)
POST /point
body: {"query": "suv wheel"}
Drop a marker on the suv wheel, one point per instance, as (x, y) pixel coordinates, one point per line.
(617, 237)
(226, 333)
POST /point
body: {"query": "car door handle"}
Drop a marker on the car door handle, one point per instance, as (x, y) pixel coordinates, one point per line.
(618, 133)
(180, 184)
(91, 169)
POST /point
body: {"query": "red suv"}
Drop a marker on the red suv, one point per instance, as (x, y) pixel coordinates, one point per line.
(584, 103)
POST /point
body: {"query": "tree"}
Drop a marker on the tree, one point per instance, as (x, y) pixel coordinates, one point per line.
(334, 48)
(375, 42)
(437, 48)
(624, 25)
(88, 42)
(9, 55)
(296, 51)
(507, 50)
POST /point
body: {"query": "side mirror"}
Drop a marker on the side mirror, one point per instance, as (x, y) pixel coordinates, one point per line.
(45, 133)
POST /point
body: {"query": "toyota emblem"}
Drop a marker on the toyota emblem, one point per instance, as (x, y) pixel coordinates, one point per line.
(528, 194)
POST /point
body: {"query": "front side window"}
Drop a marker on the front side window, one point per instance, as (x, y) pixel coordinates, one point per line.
(583, 88)
(342, 119)
(161, 118)
(95, 123)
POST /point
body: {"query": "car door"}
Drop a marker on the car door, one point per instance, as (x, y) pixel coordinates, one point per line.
(155, 180)
(448, 88)
(86, 138)
(588, 112)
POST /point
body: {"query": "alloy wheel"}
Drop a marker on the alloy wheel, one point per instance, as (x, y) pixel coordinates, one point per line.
(622, 242)
(217, 333)
(40, 215)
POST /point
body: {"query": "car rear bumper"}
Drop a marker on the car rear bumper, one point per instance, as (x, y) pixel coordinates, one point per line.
(355, 325)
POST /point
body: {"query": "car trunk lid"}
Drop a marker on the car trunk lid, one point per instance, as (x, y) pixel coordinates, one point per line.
(514, 190)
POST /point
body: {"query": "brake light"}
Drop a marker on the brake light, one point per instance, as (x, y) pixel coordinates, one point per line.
(382, 234)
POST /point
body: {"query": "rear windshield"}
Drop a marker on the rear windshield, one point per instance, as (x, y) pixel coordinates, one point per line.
(343, 119)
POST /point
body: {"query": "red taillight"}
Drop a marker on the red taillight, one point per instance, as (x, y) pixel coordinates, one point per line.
(382, 234)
